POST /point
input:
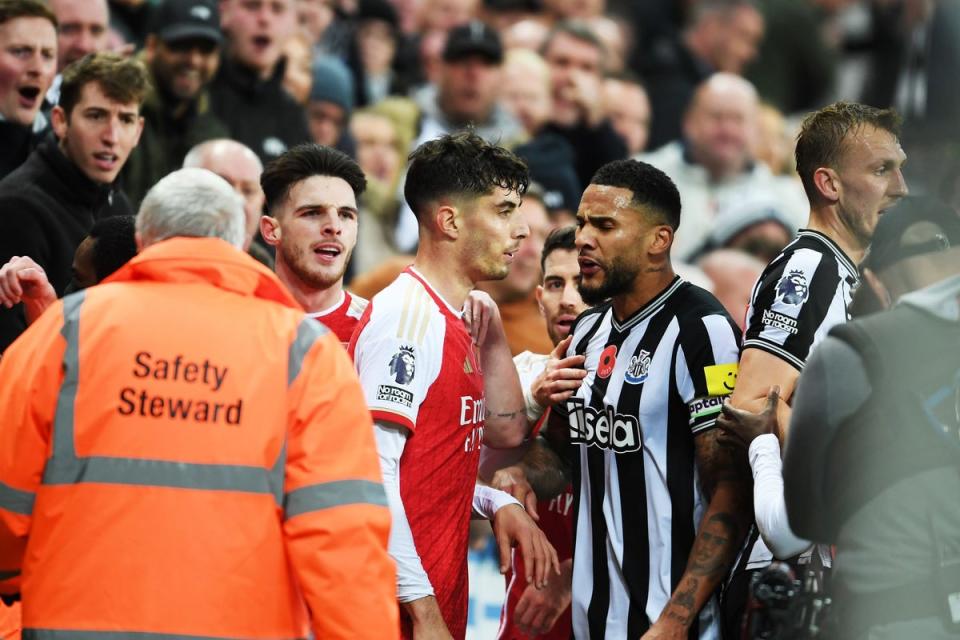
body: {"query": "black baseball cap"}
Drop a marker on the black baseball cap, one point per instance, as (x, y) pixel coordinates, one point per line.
(181, 19)
(916, 226)
(473, 39)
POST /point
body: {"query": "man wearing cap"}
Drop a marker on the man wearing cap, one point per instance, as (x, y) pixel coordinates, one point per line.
(872, 455)
(182, 54)
(468, 91)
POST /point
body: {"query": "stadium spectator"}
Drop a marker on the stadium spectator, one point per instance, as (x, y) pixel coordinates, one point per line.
(503, 14)
(733, 274)
(82, 27)
(443, 15)
(722, 35)
(130, 21)
(28, 53)
(575, 56)
(469, 88)
(713, 168)
(574, 9)
(628, 107)
(759, 229)
(247, 93)
(424, 375)
(312, 219)
(330, 103)
(526, 34)
(299, 501)
(378, 43)
(241, 168)
(773, 144)
(526, 93)
(49, 204)
(182, 55)
(298, 67)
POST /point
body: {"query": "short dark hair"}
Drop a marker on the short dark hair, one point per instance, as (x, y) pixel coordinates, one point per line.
(122, 79)
(114, 244)
(461, 165)
(561, 238)
(651, 187)
(577, 29)
(305, 161)
(11, 9)
(824, 132)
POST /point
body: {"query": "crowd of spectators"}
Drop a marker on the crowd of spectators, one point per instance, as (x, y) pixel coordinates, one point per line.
(710, 91)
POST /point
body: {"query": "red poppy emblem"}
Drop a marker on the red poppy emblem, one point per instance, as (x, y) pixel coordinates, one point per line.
(607, 361)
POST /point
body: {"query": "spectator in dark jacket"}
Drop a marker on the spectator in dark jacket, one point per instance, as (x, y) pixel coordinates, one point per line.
(248, 93)
(575, 56)
(49, 204)
(29, 28)
(182, 54)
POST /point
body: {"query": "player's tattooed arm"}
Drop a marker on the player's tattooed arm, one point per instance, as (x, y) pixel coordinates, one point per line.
(725, 479)
(505, 425)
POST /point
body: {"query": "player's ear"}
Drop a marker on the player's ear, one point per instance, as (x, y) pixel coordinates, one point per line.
(662, 240)
(448, 221)
(827, 183)
(270, 230)
(538, 293)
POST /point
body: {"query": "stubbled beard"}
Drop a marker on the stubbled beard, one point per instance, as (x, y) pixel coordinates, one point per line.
(297, 261)
(617, 279)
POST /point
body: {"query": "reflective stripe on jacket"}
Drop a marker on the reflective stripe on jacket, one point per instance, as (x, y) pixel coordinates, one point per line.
(183, 453)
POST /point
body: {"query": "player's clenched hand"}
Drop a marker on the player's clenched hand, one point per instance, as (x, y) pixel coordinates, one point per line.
(560, 378)
(514, 481)
(513, 527)
(537, 610)
(23, 280)
(741, 427)
(481, 315)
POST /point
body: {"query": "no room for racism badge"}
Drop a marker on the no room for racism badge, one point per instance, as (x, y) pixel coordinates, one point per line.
(607, 361)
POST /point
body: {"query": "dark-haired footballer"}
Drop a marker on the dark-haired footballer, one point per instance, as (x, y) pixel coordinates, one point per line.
(661, 508)
(311, 196)
(437, 389)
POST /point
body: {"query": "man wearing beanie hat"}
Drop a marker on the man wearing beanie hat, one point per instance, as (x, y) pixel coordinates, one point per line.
(871, 459)
(331, 101)
(182, 54)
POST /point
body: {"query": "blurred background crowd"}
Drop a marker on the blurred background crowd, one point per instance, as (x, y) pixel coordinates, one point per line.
(709, 91)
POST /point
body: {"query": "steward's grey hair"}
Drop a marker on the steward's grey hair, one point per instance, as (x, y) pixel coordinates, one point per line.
(192, 203)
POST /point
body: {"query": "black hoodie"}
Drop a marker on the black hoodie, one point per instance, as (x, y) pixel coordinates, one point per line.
(47, 207)
(258, 113)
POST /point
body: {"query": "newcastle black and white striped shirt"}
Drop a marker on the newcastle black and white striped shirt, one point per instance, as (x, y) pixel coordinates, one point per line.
(802, 294)
(799, 297)
(654, 381)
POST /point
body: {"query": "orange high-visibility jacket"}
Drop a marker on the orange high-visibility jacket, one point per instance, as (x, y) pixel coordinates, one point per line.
(184, 454)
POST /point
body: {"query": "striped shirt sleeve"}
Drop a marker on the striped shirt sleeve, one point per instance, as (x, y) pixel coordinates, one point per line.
(707, 357)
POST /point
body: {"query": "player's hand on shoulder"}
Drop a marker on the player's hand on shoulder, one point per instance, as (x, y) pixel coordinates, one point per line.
(538, 609)
(481, 315)
(513, 480)
(561, 377)
(739, 427)
(512, 527)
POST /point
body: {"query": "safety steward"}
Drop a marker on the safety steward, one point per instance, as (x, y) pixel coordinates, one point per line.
(184, 455)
